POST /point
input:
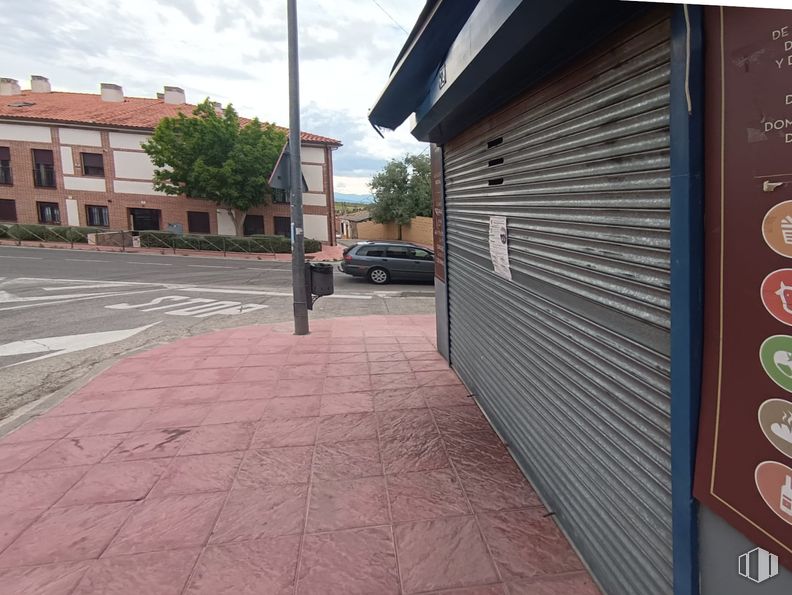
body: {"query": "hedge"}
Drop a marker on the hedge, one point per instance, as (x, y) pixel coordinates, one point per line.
(159, 239)
(47, 233)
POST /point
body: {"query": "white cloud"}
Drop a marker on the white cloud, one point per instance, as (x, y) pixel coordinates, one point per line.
(351, 184)
(231, 50)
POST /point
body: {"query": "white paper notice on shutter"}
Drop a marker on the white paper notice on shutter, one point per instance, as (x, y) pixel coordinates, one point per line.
(499, 246)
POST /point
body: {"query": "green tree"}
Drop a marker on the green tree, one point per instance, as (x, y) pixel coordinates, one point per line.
(402, 190)
(212, 157)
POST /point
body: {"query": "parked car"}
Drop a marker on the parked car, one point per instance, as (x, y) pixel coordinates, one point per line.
(383, 261)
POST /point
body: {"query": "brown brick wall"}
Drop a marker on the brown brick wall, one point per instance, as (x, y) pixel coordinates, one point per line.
(173, 208)
(419, 231)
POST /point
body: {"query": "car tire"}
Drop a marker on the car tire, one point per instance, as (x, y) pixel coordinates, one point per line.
(378, 276)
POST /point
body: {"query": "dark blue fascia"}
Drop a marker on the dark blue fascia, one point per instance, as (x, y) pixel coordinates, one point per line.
(426, 47)
(687, 284)
(506, 47)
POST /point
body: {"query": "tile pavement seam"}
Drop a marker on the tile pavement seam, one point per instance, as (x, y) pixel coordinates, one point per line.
(25, 528)
(467, 499)
(309, 492)
(454, 590)
(211, 531)
(387, 500)
(69, 489)
(31, 457)
(65, 466)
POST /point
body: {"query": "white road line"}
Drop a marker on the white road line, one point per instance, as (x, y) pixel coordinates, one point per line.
(25, 257)
(86, 286)
(270, 293)
(6, 297)
(210, 266)
(156, 264)
(85, 260)
(79, 299)
(52, 346)
(263, 269)
(235, 291)
(59, 280)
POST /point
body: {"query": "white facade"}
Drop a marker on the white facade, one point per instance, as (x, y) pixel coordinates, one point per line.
(133, 165)
(312, 154)
(126, 187)
(127, 140)
(67, 160)
(315, 227)
(84, 183)
(77, 136)
(314, 177)
(24, 132)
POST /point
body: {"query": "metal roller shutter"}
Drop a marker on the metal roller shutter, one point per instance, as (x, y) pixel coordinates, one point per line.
(571, 358)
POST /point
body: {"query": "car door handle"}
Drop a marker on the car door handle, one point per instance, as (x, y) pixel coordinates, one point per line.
(383, 260)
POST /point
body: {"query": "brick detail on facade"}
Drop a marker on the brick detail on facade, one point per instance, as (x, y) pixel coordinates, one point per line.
(173, 208)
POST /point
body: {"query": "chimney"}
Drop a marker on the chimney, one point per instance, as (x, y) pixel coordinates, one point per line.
(112, 93)
(175, 95)
(9, 87)
(40, 84)
(218, 107)
(160, 95)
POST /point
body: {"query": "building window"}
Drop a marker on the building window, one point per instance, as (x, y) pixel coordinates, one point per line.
(92, 164)
(282, 226)
(279, 195)
(145, 219)
(43, 168)
(48, 212)
(97, 216)
(7, 210)
(197, 222)
(254, 225)
(5, 166)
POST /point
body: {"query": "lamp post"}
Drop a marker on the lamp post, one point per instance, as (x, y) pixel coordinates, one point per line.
(297, 231)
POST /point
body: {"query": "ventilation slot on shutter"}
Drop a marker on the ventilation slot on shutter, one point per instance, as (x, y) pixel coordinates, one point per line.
(495, 182)
(494, 162)
(494, 143)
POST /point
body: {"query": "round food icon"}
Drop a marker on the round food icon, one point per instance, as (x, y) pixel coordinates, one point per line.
(775, 419)
(776, 357)
(776, 295)
(777, 228)
(774, 482)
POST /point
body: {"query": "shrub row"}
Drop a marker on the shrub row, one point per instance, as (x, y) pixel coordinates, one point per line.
(47, 233)
(158, 239)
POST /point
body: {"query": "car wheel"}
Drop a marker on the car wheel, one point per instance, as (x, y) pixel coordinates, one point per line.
(378, 276)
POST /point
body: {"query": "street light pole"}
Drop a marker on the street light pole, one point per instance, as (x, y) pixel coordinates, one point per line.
(297, 233)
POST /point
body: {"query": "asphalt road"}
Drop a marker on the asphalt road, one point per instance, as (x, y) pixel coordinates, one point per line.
(66, 314)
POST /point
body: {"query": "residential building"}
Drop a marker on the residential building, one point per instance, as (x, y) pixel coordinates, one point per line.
(76, 159)
(613, 222)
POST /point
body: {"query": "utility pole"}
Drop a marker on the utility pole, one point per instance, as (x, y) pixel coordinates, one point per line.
(297, 233)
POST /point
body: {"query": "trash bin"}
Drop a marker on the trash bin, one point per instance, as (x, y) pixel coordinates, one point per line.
(321, 278)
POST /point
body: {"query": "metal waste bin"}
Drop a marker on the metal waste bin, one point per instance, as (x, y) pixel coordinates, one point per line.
(318, 280)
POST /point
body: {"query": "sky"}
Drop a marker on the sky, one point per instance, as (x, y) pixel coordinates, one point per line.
(233, 51)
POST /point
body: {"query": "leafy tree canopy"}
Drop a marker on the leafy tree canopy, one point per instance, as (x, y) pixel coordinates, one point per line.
(210, 156)
(402, 190)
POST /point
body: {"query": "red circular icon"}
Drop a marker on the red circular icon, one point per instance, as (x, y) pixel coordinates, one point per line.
(777, 295)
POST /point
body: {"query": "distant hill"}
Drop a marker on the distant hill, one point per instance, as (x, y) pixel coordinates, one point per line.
(356, 198)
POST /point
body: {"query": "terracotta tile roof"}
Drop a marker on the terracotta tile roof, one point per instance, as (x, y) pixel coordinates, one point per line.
(86, 108)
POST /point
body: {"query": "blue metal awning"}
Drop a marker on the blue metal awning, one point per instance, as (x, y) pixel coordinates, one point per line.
(465, 59)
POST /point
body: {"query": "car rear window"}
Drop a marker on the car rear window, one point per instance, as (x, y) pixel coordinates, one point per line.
(371, 251)
(399, 252)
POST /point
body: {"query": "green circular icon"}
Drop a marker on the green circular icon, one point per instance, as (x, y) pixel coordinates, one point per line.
(776, 357)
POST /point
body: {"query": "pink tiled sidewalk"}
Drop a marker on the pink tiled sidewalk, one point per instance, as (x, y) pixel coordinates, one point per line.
(253, 461)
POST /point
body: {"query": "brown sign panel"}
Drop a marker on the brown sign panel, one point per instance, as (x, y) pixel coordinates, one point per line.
(437, 211)
(744, 464)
